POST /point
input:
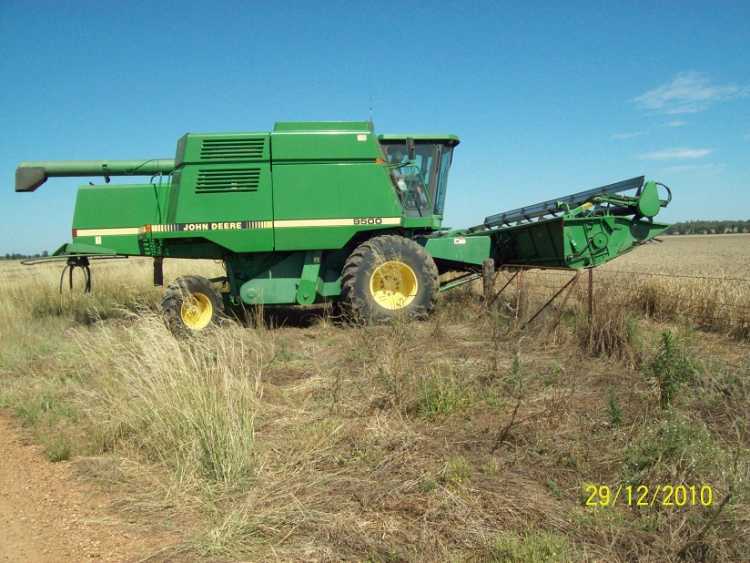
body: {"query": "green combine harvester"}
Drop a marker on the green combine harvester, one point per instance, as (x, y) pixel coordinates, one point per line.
(327, 211)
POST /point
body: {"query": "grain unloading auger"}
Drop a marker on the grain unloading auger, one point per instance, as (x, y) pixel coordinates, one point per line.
(328, 211)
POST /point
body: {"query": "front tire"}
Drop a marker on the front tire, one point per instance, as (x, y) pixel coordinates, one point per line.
(191, 305)
(389, 276)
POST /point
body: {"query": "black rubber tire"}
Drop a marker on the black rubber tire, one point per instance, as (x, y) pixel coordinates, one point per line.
(359, 267)
(171, 304)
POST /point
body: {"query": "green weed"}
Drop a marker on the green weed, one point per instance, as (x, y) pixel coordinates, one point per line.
(674, 448)
(514, 381)
(57, 448)
(614, 411)
(531, 547)
(427, 485)
(440, 394)
(456, 471)
(670, 369)
(554, 488)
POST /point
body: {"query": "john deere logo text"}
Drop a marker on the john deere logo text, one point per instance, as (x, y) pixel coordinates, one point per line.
(212, 226)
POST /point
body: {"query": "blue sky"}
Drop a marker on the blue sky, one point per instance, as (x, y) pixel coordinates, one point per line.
(548, 98)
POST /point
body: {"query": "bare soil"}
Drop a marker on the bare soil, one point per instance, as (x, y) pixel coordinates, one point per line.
(47, 515)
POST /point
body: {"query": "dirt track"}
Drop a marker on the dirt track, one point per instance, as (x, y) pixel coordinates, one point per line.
(46, 515)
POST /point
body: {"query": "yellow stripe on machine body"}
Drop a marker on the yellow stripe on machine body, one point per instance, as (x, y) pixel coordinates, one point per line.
(239, 225)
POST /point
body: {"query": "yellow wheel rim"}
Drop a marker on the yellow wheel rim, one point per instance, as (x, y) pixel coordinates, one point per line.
(196, 311)
(393, 285)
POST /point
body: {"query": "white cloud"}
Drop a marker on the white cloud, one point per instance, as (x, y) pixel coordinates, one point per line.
(676, 154)
(676, 123)
(620, 136)
(688, 92)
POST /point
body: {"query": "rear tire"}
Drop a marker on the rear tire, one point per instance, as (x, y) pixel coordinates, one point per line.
(191, 305)
(387, 277)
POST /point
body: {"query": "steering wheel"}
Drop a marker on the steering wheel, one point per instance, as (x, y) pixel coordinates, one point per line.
(409, 170)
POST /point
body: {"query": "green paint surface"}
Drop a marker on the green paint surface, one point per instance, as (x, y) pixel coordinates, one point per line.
(459, 249)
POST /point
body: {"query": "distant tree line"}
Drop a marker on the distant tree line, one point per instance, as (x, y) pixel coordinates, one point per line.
(17, 256)
(708, 227)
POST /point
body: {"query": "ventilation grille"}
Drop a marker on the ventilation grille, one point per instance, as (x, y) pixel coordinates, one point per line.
(232, 149)
(228, 180)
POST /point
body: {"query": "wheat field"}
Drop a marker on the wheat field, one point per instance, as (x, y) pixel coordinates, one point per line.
(706, 255)
(298, 437)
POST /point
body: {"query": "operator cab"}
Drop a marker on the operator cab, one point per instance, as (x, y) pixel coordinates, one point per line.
(419, 167)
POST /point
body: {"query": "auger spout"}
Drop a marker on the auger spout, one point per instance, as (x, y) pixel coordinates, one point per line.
(31, 175)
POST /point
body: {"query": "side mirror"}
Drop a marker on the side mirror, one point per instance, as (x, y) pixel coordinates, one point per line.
(411, 149)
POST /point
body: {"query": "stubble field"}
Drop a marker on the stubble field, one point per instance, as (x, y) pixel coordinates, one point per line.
(467, 437)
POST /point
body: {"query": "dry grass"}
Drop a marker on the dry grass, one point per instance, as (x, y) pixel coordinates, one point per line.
(189, 406)
(460, 438)
(698, 281)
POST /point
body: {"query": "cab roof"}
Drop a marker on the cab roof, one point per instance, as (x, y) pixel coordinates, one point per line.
(358, 126)
(320, 126)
